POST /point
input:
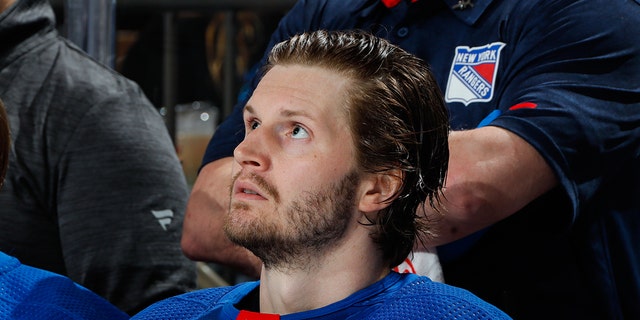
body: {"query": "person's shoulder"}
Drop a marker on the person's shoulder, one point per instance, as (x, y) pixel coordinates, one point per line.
(421, 298)
(349, 5)
(200, 297)
(331, 13)
(80, 75)
(32, 293)
(7, 263)
(188, 305)
(589, 11)
(337, 4)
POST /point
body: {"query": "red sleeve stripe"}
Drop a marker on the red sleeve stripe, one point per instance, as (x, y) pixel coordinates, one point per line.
(524, 105)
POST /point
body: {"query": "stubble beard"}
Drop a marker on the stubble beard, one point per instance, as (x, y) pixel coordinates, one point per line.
(314, 223)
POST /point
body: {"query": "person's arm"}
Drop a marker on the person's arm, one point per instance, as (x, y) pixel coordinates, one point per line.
(120, 205)
(202, 237)
(572, 66)
(492, 174)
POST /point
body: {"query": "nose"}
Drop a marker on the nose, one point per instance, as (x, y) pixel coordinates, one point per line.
(252, 151)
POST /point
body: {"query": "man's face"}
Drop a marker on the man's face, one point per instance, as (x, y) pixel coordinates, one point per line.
(294, 180)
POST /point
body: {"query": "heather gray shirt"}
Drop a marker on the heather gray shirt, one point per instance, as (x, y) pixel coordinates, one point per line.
(94, 188)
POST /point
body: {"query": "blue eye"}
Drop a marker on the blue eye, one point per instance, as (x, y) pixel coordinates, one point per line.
(299, 132)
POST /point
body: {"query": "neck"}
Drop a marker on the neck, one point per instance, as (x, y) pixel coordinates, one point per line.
(352, 265)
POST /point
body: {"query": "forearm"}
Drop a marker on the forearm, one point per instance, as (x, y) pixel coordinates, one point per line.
(203, 238)
(492, 174)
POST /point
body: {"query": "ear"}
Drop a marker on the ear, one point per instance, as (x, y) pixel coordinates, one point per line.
(379, 190)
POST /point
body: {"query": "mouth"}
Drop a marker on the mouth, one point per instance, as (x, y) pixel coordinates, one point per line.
(247, 191)
(250, 186)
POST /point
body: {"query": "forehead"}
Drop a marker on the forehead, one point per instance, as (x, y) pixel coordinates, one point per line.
(313, 91)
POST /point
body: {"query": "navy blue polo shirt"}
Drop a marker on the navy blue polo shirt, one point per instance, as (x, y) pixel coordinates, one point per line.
(564, 76)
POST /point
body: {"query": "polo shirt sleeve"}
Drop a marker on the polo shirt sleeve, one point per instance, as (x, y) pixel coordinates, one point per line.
(571, 89)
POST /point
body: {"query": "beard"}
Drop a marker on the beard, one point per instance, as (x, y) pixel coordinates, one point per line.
(314, 222)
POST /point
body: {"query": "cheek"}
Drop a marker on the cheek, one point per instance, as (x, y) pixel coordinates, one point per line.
(303, 168)
(235, 167)
(297, 149)
(310, 175)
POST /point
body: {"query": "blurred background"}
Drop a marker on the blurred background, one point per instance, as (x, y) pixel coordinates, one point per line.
(188, 56)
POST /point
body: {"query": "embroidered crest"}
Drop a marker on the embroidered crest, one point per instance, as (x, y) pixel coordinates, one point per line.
(473, 73)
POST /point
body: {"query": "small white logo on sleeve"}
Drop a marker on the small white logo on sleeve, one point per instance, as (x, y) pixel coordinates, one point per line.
(164, 217)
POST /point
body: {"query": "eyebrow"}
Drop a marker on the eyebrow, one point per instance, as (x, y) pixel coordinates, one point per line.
(248, 108)
(285, 113)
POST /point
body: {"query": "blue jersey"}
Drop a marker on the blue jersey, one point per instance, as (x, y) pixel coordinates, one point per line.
(564, 76)
(31, 293)
(397, 296)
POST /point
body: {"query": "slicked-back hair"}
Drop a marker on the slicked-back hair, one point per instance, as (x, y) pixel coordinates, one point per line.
(398, 120)
(5, 142)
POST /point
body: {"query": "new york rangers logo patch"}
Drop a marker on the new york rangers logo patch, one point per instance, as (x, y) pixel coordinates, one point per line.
(473, 73)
